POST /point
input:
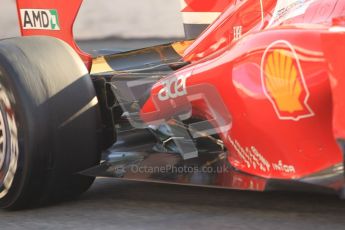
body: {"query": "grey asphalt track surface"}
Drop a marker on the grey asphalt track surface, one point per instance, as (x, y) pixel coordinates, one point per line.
(115, 204)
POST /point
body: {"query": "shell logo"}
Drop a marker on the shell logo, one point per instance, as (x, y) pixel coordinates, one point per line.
(283, 82)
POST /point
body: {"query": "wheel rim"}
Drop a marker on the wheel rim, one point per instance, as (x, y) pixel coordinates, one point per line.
(8, 144)
(3, 139)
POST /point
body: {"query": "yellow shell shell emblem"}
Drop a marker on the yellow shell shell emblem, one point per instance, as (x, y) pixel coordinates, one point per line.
(283, 82)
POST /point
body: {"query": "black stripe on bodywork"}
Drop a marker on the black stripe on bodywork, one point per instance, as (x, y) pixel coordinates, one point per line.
(192, 31)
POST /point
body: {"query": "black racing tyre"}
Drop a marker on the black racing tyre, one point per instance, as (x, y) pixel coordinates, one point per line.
(49, 122)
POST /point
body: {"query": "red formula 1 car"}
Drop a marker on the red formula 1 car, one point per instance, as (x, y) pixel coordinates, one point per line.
(256, 102)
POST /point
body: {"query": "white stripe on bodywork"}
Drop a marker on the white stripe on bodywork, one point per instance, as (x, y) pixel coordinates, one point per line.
(199, 18)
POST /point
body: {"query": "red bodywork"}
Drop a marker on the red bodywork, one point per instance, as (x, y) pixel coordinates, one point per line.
(270, 82)
(206, 6)
(280, 84)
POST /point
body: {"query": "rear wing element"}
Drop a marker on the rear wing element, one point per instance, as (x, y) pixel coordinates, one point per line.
(54, 18)
(199, 14)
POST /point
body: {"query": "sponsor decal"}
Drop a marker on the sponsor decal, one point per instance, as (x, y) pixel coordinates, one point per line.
(283, 82)
(251, 156)
(40, 19)
(237, 32)
(281, 167)
(173, 87)
(287, 9)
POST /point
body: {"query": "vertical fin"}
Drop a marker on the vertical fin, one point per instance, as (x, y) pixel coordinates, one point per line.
(199, 14)
(54, 18)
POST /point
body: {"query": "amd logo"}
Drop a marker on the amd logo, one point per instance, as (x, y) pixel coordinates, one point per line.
(40, 19)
